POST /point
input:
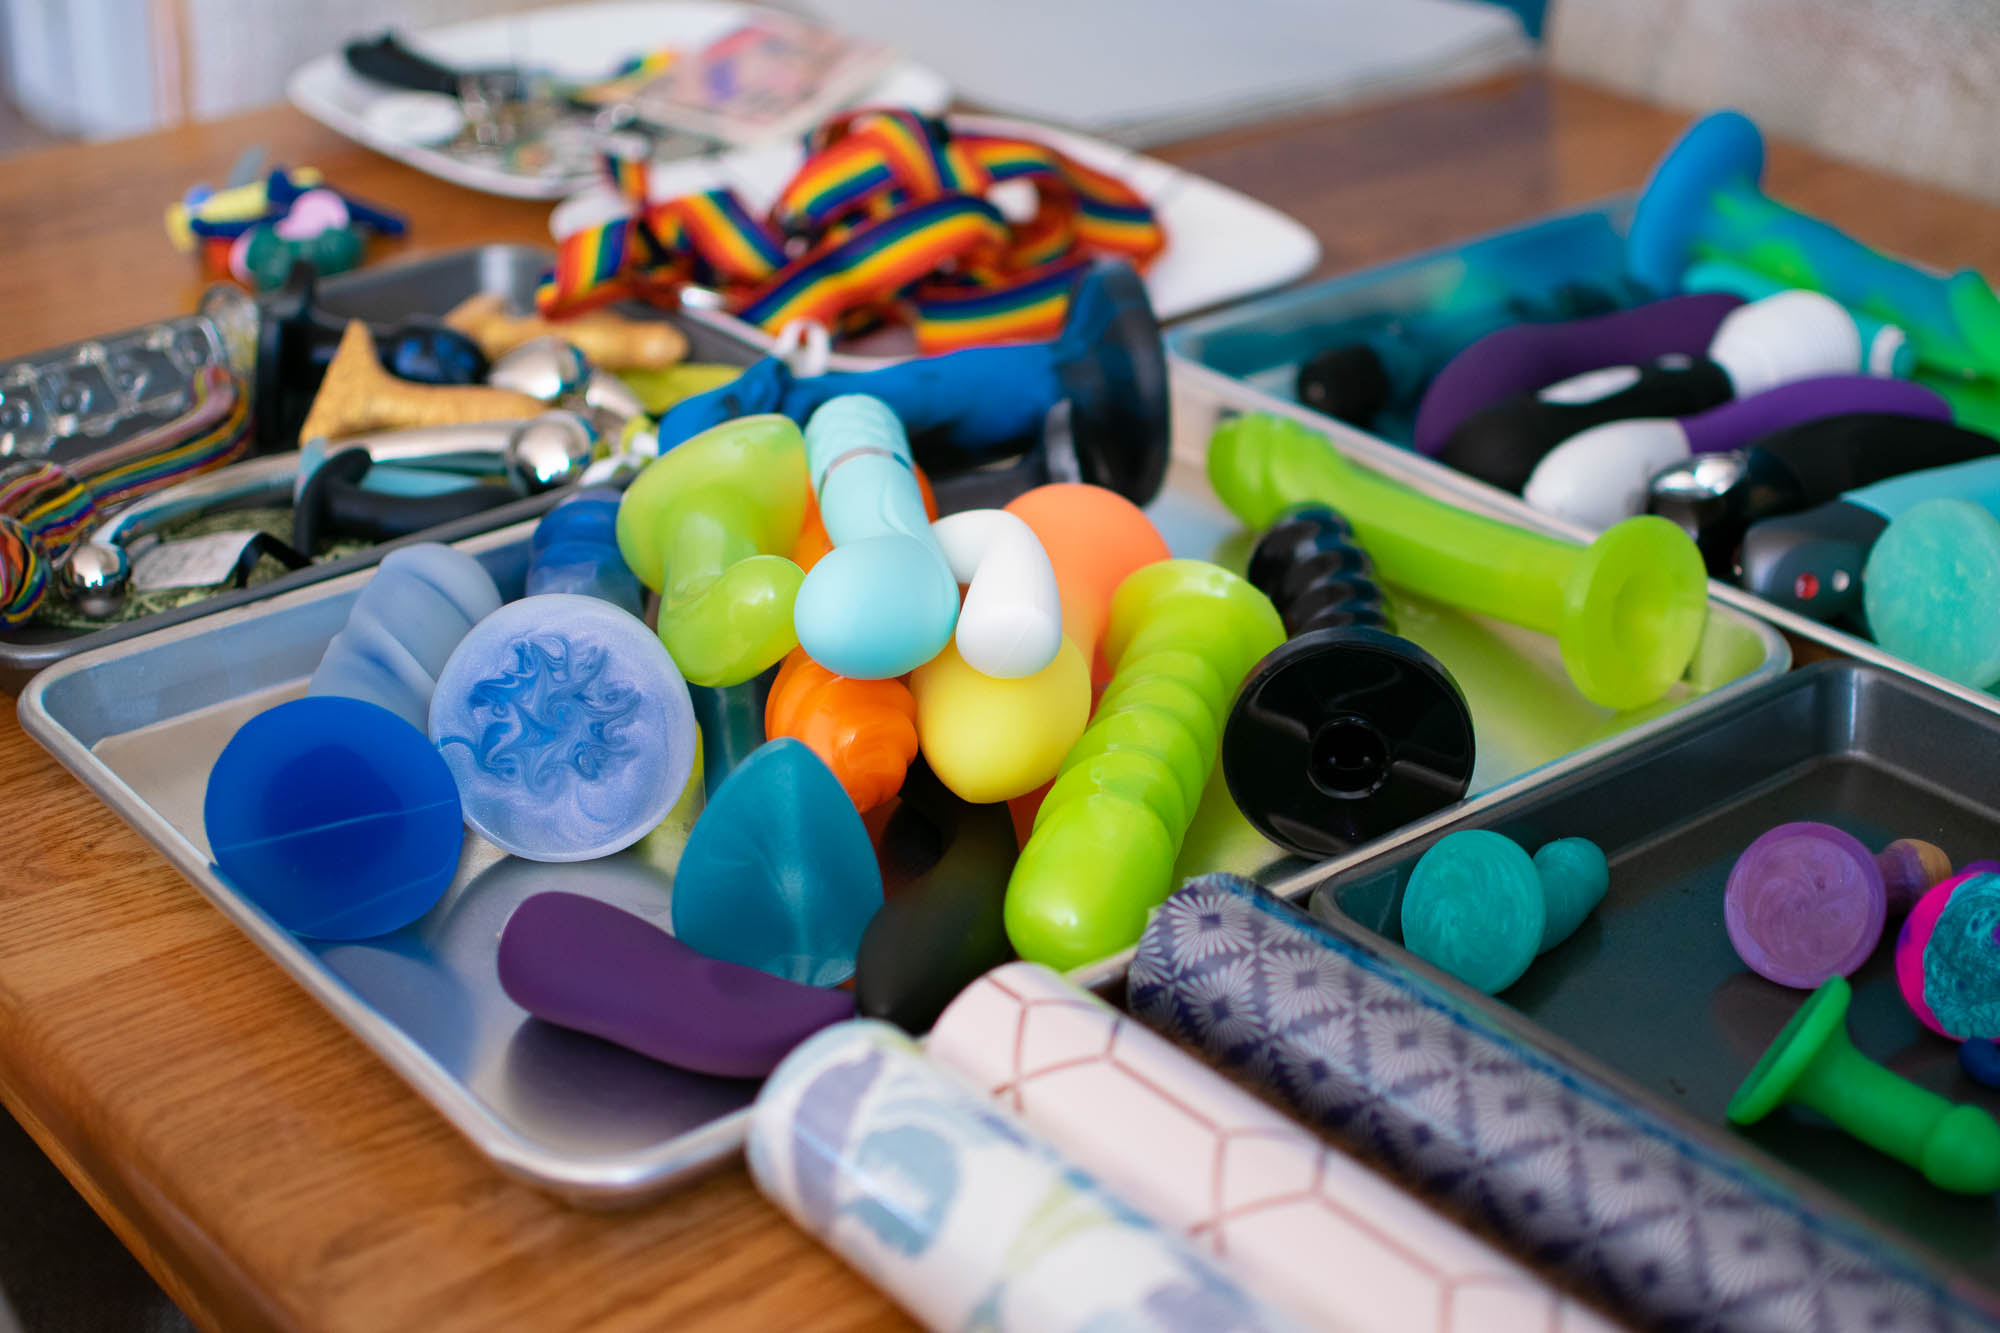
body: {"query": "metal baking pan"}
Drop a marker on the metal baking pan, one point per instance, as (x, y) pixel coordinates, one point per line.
(386, 295)
(1246, 359)
(141, 721)
(1649, 986)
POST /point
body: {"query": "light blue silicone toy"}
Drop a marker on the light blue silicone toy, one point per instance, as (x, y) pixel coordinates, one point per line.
(779, 873)
(403, 627)
(1932, 590)
(883, 602)
(1478, 908)
(567, 728)
(575, 549)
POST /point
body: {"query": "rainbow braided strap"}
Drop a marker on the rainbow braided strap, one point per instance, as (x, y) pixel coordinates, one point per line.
(46, 508)
(887, 220)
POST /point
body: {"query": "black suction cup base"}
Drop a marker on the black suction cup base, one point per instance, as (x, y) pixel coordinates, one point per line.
(1340, 736)
(1113, 369)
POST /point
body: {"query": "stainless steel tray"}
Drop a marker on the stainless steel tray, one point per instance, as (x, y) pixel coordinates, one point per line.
(1246, 358)
(1650, 987)
(141, 721)
(386, 295)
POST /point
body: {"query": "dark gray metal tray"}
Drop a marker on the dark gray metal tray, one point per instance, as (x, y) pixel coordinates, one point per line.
(386, 295)
(1649, 985)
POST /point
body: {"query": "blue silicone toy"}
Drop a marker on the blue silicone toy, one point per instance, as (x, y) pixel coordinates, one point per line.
(567, 728)
(575, 549)
(402, 628)
(883, 601)
(779, 873)
(335, 817)
(1477, 907)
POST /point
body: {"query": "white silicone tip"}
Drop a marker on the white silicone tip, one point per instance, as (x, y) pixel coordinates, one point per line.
(1600, 476)
(1011, 622)
(1886, 353)
(1793, 335)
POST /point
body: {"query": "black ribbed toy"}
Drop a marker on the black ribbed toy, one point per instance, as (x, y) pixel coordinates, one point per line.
(1346, 731)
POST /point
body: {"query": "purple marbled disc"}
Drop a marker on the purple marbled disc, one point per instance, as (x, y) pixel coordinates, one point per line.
(584, 964)
(1805, 902)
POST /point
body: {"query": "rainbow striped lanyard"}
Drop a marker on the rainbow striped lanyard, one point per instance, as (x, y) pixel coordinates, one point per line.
(887, 221)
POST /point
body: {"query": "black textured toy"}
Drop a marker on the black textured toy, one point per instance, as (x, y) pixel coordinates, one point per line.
(1346, 731)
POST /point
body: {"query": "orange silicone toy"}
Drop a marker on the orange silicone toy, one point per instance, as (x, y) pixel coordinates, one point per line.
(1094, 538)
(864, 730)
(813, 541)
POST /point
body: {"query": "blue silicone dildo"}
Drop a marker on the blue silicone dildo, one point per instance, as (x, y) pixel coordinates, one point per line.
(883, 602)
(575, 549)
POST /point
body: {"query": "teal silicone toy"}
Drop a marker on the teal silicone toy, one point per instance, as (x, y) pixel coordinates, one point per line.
(1931, 589)
(1703, 201)
(883, 601)
(1477, 907)
(779, 873)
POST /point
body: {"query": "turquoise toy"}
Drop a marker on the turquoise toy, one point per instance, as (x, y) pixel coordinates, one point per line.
(1704, 202)
(883, 602)
(1478, 908)
(1931, 588)
(779, 873)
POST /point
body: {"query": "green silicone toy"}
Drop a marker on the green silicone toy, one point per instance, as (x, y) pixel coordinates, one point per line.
(1181, 636)
(1627, 610)
(707, 525)
(1956, 1147)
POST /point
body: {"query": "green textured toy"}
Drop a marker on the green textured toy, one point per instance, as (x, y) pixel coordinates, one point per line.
(1627, 610)
(1181, 636)
(707, 526)
(1812, 1062)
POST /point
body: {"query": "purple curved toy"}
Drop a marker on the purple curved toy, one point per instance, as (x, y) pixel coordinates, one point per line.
(1528, 357)
(1737, 423)
(1806, 901)
(584, 964)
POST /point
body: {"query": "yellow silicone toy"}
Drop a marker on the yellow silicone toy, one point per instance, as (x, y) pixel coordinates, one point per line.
(706, 525)
(992, 740)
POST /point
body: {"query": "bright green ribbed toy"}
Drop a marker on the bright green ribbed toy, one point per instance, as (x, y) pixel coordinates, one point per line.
(1181, 636)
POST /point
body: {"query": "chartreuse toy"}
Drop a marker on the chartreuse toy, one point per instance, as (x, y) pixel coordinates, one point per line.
(883, 601)
(1704, 202)
(1181, 636)
(1956, 1147)
(707, 526)
(1627, 610)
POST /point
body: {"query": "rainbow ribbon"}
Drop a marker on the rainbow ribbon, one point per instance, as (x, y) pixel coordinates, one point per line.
(46, 508)
(886, 220)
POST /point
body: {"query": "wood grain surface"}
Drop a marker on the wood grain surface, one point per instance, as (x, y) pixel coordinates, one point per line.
(268, 1170)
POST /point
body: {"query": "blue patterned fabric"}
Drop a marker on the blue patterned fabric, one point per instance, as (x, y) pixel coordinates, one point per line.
(1667, 1230)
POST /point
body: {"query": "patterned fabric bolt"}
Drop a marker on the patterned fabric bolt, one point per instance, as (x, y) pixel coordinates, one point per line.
(966, 1219)
(1662, 1227)
(1319, 1233)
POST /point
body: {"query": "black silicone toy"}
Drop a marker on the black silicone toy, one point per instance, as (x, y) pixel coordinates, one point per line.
(1346, 731)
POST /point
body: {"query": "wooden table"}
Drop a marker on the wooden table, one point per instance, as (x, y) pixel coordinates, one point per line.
(265, 1167)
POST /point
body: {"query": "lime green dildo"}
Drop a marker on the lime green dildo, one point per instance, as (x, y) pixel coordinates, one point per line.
(1627, 610)
(1181, 636)
(706, 526)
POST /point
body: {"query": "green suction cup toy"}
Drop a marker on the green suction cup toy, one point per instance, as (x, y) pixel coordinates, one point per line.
(1627, 610)
(1812, 1063)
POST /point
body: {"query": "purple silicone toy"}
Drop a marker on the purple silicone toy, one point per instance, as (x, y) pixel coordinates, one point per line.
(1806, 901)
(584, 964)
(1529, 357)
(1737, 423)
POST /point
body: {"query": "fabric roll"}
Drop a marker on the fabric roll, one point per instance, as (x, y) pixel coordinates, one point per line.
(965, 1218)
(1308, 1227)
(1669, 1231)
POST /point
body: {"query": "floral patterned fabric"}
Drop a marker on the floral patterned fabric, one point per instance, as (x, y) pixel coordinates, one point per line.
(1663, 1228)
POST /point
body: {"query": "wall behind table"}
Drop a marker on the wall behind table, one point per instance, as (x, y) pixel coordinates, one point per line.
(1907, 86)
